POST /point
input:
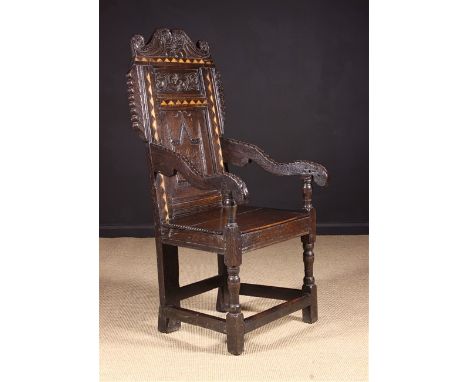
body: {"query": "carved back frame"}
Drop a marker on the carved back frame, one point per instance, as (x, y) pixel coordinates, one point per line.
(176, 100)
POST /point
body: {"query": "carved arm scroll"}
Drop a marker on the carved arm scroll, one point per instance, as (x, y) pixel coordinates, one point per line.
(169, 162)
(240, 153)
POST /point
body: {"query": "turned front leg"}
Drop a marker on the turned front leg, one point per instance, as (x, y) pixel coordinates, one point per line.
(234, 289)
(222, 300)
(309, 314)
(234, 318)
(235, 327)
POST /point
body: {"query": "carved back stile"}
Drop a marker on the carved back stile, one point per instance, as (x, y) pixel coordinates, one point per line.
(176, 100)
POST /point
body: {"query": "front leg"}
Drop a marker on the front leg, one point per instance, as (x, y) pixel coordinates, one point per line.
(234, 318)
(235, 326)
(309, 314)
(222, 301)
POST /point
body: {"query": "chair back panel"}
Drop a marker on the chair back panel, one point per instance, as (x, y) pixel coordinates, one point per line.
(176, 100)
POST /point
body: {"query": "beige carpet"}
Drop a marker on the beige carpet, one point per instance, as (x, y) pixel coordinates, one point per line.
(332, 349)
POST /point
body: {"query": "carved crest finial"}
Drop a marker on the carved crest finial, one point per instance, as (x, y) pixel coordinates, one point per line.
(169, 43)
(136, 43)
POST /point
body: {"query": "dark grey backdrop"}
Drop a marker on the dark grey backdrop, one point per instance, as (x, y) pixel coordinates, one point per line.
(295, 75)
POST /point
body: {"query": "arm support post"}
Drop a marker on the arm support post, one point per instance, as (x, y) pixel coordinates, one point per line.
(307, 193)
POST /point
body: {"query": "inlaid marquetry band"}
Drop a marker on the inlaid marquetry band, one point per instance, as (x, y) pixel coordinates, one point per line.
(154, 128)
(151, 107)
(215, 120)
(174, 60)
(184, 102)
(163, 199)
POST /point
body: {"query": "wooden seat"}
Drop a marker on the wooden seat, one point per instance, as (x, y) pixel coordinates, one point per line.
(177, 108)
(259, 227)
(249, 219)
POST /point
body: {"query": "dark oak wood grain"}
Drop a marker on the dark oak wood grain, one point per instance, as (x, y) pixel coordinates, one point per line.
(177, 108)
(199, 287)
(240, 153)
(196, 318)
(267, 291)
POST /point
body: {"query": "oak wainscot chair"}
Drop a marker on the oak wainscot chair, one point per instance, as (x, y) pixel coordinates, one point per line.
(177, 108)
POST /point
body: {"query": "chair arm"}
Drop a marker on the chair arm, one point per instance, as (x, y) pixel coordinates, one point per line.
(240, 153)
(169, 162)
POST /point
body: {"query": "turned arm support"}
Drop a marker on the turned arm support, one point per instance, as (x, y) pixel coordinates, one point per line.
(240, 153)
(169, 162)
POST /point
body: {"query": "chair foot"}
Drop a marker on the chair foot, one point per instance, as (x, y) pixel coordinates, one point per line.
(310, 314)
(235, 333)
(167, 325)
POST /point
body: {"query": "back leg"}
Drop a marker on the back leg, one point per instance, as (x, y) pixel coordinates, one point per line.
(168, 277)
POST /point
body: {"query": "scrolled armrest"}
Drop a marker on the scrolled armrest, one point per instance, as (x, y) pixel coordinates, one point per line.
(169, 162)
(240, 153)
